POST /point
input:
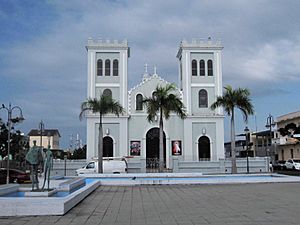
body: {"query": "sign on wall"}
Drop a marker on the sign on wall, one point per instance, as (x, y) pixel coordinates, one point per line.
(176, 147)
(135, 148)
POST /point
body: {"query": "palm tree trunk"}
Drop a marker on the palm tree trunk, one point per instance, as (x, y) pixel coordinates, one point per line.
(161, 143)
(233, 159)
(100, 147)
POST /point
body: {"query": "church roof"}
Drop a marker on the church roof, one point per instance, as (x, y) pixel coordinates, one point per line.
(51, 132)
(147, 79)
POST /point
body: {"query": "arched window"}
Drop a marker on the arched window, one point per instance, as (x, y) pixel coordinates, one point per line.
(210, 68)
(115, 67)
(194, 67)
(204, 148)
(139, 102)
(202, 67)
(108, 147)
(203, 100)
(107, 67)
(99, 67)
(107, 92)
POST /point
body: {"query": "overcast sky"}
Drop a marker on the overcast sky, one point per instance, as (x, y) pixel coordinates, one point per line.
(43, 61)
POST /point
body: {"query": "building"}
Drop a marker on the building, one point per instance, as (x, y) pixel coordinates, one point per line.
(259, 145)
(49, 136)
(289, 145)
(239, 148)
(198, 137)
(264, 143)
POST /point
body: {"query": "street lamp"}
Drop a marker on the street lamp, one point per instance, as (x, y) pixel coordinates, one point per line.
(270, 123)
(11, 120)
(49, 136)
(41, 131)
(247, 138)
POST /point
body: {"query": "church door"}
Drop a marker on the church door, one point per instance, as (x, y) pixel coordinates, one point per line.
(108, 150)
(204, 148)
(152, 149)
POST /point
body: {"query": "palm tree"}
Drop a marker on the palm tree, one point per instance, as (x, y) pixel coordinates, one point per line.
(103, 106)
(162, 103)
(238, 98)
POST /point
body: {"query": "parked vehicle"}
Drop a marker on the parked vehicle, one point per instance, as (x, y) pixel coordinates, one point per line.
(279, 165)
(293, 164)
(114, 165)
(15, 176)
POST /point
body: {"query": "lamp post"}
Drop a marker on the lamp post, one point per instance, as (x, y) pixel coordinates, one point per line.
(49, 136)
(270, 123)
(247, 138)
(41, 131)
(11, 120)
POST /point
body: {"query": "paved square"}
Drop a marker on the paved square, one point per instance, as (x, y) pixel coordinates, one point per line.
(181, 204)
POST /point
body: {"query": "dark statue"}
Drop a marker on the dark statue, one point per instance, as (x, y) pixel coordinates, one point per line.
(34, 157)
(47, 167)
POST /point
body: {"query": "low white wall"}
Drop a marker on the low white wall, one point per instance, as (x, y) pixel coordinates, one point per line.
(136, 165)
(256, 165)
(60, 167)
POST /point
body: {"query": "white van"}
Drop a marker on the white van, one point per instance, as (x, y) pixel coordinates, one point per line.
(114, 165)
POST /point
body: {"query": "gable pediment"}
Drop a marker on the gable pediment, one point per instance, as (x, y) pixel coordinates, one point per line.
(146, 88)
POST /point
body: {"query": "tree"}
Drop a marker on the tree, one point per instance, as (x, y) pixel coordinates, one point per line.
(162, 103)
(283, 132)
(297, 130)
(289, 129)
(18, 143)
(104, 105)
(79, 153)
(231, 99)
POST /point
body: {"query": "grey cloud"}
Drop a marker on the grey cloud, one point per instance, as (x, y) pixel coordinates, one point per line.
(272, 62)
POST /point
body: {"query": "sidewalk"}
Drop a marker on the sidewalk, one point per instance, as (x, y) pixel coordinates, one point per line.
(272, 203)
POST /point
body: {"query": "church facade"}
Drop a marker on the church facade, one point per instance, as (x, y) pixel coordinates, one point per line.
(198, 137)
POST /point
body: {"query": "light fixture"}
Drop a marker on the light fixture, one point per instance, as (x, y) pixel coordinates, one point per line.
(247, 140)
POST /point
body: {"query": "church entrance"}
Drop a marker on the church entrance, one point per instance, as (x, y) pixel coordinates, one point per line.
(152, 150)
(108, 147)
(204, 148)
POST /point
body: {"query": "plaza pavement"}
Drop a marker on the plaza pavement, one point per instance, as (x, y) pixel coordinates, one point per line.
(232, 204)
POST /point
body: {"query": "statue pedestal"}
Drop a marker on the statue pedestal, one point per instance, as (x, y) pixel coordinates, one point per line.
(39, 193)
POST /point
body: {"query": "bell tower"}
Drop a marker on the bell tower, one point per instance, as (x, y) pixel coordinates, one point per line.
(200, 80)
(107, 69)
(107, 74)
(200, 69)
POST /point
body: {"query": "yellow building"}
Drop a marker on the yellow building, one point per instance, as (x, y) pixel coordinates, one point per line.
(289, 146)
(49, 136)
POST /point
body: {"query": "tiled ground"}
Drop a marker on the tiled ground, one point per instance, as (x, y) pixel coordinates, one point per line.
(182, 204)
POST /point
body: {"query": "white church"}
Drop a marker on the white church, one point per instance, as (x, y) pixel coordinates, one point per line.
(199, 137)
